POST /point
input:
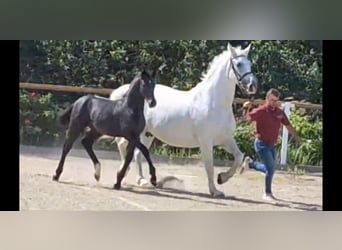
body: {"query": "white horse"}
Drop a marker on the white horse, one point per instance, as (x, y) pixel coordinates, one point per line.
(201, 117)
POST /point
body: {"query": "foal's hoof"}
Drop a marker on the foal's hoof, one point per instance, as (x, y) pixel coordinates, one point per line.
(154, 182)
(97, 172)
(117, 186)
(97, 177)
(55, 178)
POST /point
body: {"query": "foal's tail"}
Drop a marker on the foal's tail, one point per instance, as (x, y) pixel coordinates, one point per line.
(65, 116)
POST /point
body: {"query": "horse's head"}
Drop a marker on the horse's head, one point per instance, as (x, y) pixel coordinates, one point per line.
(147, 88)
(240, 69)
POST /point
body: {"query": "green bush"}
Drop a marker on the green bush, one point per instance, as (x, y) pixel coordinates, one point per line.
(311, 133)
(38, 118)
(292, 66)
(244, 136)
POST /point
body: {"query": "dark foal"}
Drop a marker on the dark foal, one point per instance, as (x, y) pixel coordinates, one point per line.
(96, 116)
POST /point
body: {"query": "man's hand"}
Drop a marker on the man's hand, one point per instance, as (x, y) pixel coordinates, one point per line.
(299, 141)
(294, 134)
(247, 105)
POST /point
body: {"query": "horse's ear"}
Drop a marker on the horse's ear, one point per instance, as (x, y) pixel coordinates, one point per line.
(231, 49)
(145, 74)
(246, 50)
(154, 73)
(229, 46)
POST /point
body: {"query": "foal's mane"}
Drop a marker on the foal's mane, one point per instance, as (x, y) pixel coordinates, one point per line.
(134, 81)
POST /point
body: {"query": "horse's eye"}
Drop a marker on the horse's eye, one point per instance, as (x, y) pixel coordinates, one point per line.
(238, 64)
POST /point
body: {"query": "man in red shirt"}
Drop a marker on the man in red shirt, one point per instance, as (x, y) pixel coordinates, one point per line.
(268, 118)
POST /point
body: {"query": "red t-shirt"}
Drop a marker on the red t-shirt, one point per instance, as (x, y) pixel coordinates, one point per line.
(268, 121)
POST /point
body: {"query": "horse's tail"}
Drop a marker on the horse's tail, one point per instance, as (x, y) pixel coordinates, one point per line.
(65, 116)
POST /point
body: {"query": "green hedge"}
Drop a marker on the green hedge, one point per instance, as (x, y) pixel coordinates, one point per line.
(294, 67)
(38, 115)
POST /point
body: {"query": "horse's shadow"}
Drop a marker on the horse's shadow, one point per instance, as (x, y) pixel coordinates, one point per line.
(207, 199)
(167, 192)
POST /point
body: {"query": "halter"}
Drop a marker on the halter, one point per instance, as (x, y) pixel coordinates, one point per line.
(237, 74)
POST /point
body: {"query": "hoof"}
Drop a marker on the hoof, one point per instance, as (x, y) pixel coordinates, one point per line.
(219, 179)
(142, 182)
(217, 194)
(154, 183)
(159, 184)
(97, 173)
(55, 178)
(222, 179)
(117, 186)
(97, 177)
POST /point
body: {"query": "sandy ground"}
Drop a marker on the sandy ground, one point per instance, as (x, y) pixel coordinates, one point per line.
(78, 190)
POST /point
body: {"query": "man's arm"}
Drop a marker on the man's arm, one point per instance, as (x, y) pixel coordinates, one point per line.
(293, 132)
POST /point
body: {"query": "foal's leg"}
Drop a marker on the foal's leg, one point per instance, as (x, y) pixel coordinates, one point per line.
(88, 140)
(71, 135)
(231, 147)
(146, 154)
(122, 146)
(121, 173)
(147, 141)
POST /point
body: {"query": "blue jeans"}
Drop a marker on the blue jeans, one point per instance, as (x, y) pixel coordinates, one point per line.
(267, 155)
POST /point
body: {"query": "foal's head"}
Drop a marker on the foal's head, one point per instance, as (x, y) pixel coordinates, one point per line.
(147, 88)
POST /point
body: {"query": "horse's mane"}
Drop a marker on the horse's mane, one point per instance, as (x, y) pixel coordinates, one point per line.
(216, 61)
(134, 81)
(123, 90)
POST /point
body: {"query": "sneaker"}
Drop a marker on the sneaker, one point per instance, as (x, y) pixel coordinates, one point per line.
(269, 197)
(245, 164)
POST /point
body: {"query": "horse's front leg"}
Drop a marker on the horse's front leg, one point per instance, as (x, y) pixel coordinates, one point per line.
(207, 158)
(146, 139)
(121, 173)
(122, 146)
(231, 147)
(152, 169)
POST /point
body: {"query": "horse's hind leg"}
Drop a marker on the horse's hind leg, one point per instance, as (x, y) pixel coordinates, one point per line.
(122, 146)
(71, 136)
(121, 173)
(231, 147)
(146, 154)
(88, 140)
